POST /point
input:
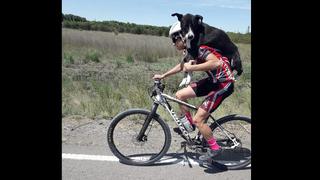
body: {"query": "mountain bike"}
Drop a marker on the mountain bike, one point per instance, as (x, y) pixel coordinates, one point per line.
(142, 137)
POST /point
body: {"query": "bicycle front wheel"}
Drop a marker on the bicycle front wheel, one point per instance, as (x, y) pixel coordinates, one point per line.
(123, 141)
(233, 134)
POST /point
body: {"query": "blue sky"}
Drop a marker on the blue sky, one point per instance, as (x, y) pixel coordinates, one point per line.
(229, 15)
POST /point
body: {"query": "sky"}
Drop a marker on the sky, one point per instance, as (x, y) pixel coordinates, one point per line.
(228, 15)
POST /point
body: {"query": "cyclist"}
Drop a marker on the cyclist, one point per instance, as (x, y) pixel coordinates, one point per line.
(216, 87)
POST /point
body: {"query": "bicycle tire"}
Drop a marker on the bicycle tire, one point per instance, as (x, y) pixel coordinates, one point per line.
(223, 121)
(128, 159)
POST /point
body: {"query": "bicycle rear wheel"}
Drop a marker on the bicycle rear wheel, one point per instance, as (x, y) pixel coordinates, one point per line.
(236, 154)
(123, 132)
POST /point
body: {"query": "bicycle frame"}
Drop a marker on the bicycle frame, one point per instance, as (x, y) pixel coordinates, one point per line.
(168, 107)
(172, 113)
(161, 99)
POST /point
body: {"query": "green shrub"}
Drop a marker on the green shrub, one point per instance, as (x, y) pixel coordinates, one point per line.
(129, 59)
(68, 59)
(93, 56)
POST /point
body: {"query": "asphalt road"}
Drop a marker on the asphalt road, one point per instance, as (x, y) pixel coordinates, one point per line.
(86, 155)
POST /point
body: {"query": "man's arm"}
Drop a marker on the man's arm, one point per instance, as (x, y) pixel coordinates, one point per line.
(212, 62)
(174, 70)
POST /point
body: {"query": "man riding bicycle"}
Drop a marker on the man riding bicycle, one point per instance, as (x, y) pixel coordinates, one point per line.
(216, 87)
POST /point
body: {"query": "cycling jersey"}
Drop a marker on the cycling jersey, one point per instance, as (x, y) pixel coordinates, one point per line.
(221, 74)
(219, 84)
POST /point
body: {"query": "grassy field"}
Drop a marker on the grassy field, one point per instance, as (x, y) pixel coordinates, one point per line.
(105, 73)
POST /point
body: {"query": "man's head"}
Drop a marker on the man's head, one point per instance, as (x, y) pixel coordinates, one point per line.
(175, 35)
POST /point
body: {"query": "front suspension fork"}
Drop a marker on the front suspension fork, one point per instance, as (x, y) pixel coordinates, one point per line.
(146, 123)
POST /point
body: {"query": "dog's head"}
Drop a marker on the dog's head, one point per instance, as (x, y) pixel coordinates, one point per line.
(190, 25)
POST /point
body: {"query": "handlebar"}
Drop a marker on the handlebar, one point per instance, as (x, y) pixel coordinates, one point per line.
(158, 88)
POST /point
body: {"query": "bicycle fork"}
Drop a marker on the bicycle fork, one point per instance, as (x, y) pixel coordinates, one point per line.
(141, 136)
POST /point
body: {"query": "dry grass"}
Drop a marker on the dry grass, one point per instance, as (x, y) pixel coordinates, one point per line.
(139, 47)
(104, 74)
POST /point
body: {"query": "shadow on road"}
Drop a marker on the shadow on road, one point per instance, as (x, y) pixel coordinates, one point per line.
(217, 168)
(190, 159)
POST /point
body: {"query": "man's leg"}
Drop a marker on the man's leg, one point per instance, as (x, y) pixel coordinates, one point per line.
(204, 129)
(183, 95)
(210, 104)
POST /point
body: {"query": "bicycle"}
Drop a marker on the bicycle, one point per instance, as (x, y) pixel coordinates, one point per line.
(141, 137)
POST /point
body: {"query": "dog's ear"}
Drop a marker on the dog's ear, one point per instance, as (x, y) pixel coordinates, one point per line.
(178, 15)
(198, 19)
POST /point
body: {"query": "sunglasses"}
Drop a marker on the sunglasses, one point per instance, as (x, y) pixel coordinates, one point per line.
(175, 37)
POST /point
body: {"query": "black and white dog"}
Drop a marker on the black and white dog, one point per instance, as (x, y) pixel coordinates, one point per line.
(196, 33)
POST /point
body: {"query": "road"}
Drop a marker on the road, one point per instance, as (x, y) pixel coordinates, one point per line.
(86, 155)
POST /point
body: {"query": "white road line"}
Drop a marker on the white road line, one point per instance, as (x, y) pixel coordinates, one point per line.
(89, 157)
(115, 159)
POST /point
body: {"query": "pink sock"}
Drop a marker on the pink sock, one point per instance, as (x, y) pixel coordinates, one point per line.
(189, 117)
(213, 144)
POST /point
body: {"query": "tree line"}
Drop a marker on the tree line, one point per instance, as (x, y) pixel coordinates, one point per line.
(77, 22)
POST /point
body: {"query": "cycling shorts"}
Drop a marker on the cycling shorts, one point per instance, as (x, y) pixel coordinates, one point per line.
(215, 92)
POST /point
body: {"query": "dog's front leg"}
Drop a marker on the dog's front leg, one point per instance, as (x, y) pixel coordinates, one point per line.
(186, 80)
(187, 75)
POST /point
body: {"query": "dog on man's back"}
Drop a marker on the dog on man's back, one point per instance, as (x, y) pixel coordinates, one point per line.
(197, 33)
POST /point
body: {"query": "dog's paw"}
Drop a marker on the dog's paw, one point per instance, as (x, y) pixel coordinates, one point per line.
(183, 82)
(188, 79)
